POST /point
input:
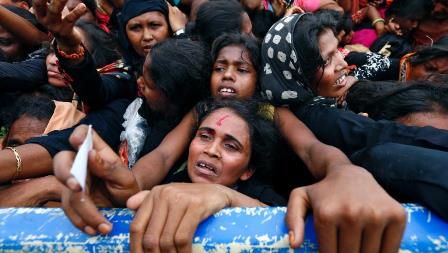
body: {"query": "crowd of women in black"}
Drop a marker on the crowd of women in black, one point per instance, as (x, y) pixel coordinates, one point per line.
(339, 108)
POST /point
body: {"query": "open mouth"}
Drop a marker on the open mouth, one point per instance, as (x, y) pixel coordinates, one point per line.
(341, 81)
(226, 91)
(206, 168)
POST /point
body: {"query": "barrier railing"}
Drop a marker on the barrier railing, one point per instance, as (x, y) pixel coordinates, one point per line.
(230, 230)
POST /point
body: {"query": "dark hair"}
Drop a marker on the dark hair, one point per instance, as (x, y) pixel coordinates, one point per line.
(344, 21)
(306, 42)
(64, 94)
(214, 18)
(103, 47)
(410, 9)
(390, 101)
(181, 69)
(262, 133)
(261, 22)
(251, 45)
(41, 108)
(427, 53)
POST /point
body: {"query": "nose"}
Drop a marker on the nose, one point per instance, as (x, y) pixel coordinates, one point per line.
(52, 60)
(341, 63)
(147, 35)
(212, 149)
(229, 74)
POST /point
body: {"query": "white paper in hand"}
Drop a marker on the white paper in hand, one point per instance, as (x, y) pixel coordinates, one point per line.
(79, 168)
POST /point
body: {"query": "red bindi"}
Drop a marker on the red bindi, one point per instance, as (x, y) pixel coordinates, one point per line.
(219, 122)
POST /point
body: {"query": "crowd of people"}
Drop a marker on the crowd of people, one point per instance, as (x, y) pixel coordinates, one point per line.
(335, 107)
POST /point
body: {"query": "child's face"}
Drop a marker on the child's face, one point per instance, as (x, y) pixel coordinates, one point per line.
(220, 152)
(233, 73)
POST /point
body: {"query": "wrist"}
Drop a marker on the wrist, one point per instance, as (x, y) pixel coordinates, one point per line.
(179, 32)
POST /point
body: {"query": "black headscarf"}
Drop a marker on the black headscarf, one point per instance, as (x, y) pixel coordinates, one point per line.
(283, 81)
(131, 9)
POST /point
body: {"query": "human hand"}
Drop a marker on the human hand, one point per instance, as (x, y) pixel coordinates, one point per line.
(169, 215)
(279, 7)
(352, 213)
(110, 183)
(178, 20)
(393, 27)
(61, 26)
(293, 10)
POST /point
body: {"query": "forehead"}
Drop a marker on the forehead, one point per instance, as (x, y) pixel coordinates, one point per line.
(327, 42)
(147, 17)
(225, 121)
(234, 53)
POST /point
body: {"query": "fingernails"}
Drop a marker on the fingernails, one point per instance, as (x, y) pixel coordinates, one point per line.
(105, 228)
(72, 184)
(89, 230)
(291, 237)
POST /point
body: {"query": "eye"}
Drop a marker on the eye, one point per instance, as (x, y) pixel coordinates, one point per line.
(219, 69)
(5, 42)
(135, 27)
(231, 147)
(204, 136)
(243, 70)
(154, 25)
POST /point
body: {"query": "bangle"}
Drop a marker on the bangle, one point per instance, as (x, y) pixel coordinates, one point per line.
(19, 162)
(74, 56)
(377, 20)
(179, 32)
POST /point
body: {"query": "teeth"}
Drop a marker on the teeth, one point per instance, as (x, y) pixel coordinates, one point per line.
(340, 80)
(227, 90)
(203, 165)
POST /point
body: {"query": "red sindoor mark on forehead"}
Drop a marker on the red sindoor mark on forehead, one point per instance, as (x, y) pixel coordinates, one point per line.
(219, 122)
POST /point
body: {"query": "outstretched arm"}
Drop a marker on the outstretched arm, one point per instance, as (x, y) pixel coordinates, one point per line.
(352, 212)
(21, 27)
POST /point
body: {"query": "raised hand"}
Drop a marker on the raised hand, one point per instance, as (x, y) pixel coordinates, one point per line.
(178, 20)
(352, 213)
(62, 27)
(110, 183)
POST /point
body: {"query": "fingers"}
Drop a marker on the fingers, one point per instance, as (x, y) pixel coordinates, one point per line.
(84, 207)
(151, 238)
(349, 235)
(394, 231)
(371, 239)
(55, 8)
(40, 8)
(168, 237)
(62, 164)
(295, 217)
(136, 200)
(140, 223)
(75, 14)
(326, 230)
(187, 227)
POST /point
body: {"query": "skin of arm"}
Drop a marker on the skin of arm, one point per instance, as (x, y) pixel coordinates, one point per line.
(351, 210)
(165, 155)
(21, 27)
(33, 192)
(317, 156)
(36, 161)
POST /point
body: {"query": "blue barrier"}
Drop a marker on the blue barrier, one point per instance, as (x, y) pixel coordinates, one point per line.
(230, 230)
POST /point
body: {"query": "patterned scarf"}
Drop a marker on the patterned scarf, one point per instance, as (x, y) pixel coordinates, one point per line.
(282, 80)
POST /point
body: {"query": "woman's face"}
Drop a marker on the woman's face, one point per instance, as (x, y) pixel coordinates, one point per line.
(10, 46)
(331, 80)
(220, 152)
(155, 98)
(424, 70)
(146, 30)
(55, 77)
(233, 73)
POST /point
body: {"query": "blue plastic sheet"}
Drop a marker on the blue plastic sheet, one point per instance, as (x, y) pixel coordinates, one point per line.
(230, 230)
